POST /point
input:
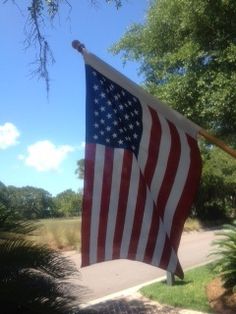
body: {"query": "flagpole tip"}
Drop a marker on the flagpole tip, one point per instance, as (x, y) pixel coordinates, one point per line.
(76, 44)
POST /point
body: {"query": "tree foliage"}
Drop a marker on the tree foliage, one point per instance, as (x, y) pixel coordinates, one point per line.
(80, 169)
(68, 203)
(30, 202)
(216, 198)
(35, 203)
(40, 15)
(187, 51)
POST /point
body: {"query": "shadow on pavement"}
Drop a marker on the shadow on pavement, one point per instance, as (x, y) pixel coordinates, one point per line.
(127, 306)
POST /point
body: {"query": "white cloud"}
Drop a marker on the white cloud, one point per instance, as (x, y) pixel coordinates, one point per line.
(45, 156)
(8, 135)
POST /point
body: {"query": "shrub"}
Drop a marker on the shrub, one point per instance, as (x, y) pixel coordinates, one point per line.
(226, 251)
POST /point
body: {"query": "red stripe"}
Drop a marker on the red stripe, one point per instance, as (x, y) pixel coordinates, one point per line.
(165, 190)
(90, 151)
(179, 271)
(105, 200)
(152, 238)
(166, 254)
(138, 218)
(189, 192)
(154, 146)
(122, 204)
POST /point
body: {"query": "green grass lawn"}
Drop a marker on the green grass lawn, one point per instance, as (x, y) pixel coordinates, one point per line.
(188, 294)
(59, 233)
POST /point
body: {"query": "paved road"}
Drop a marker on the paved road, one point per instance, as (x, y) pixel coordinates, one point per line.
(110, 277)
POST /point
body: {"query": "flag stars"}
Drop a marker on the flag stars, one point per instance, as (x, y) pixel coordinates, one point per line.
(116, 120)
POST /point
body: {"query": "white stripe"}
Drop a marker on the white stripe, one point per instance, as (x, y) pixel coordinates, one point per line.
(114, 199)
(163, 156)
(179, 182)
(96, 202)
(172, 262)
(159, 246)
(146, 224)
(145, 139)
(130, 212)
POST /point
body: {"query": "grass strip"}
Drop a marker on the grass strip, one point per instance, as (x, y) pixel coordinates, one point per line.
(189, 293)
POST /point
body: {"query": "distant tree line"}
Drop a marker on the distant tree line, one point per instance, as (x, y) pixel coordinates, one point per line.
(34, 203)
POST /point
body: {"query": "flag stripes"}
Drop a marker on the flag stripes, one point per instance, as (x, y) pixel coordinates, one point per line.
(138, 228)
(114, 200)
(141, 174)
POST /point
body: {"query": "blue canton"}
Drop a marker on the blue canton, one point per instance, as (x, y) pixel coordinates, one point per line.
(114, 116)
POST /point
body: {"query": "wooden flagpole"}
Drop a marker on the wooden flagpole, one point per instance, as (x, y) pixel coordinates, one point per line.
(212, 139)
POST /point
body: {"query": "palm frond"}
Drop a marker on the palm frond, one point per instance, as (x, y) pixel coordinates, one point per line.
(32, 276)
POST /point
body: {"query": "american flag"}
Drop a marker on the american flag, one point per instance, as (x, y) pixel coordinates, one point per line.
(142, 169)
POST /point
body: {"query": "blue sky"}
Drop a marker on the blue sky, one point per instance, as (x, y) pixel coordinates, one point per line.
(41, 139)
